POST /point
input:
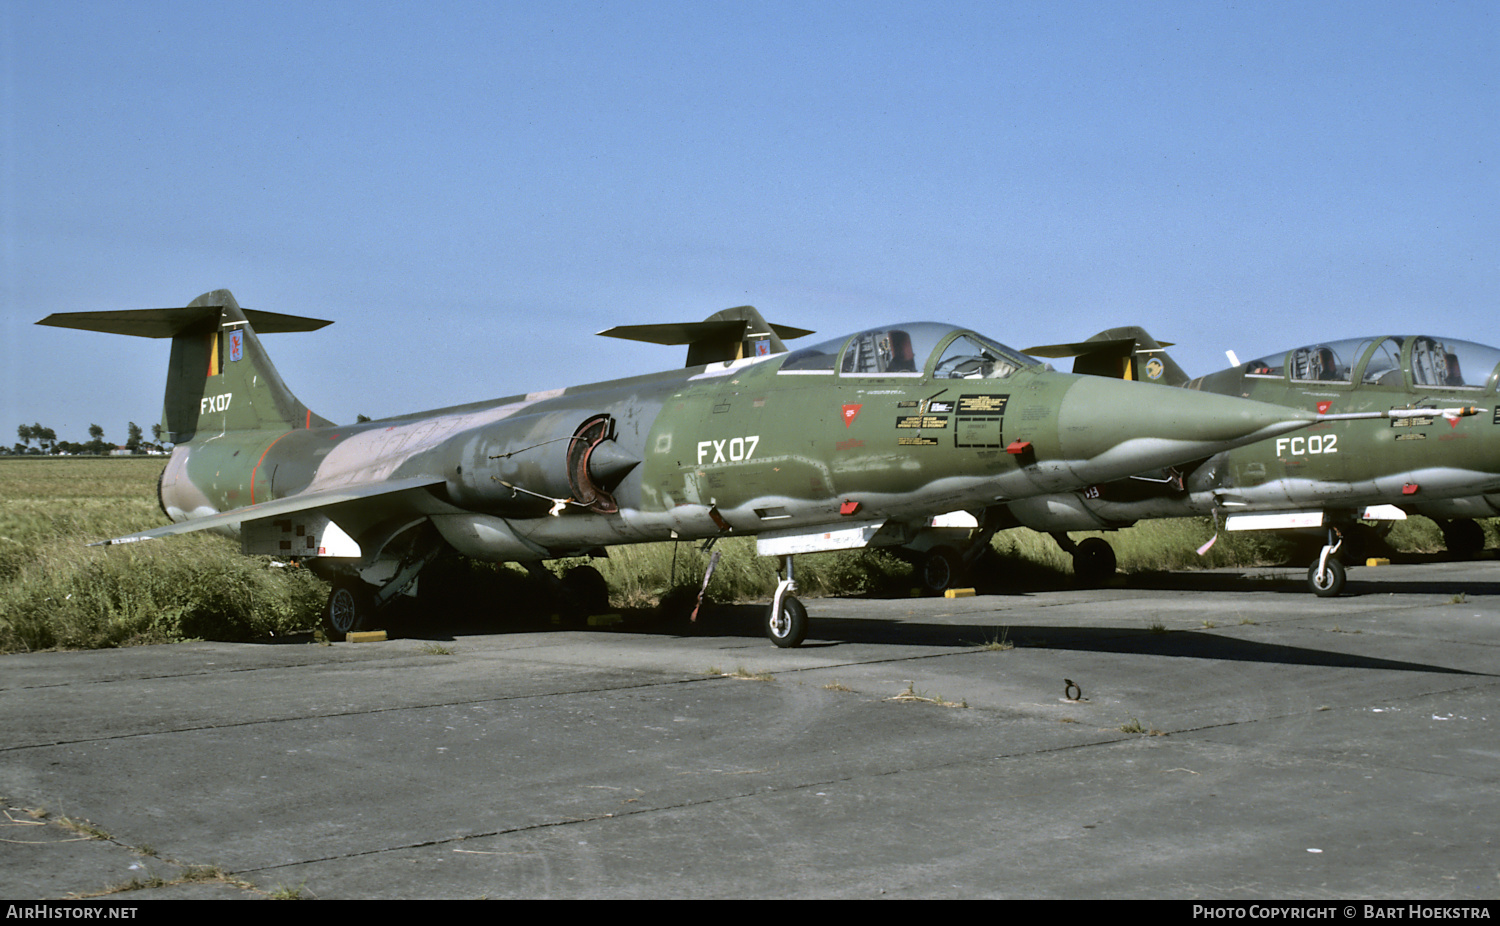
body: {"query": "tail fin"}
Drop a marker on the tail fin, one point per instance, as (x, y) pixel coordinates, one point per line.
(219, 378)
(1119, 353)
(732, 334)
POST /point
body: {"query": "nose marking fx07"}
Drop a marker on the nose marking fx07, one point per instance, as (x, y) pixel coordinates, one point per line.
(738, 449)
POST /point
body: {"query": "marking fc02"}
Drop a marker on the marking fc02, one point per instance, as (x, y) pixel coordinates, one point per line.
(1308, 444)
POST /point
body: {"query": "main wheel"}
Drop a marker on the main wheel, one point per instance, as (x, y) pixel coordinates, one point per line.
(1330, 582)
(789, 628)
(350, 609)
(941, 569)
(586, 586)
(1463, 537)
(675, 609)
(1093, 562)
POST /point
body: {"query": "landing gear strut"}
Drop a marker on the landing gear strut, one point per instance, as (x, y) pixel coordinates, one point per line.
(1326, 576)
(786, 619)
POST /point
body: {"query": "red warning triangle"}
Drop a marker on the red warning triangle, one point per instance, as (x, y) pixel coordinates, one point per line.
(850, 411)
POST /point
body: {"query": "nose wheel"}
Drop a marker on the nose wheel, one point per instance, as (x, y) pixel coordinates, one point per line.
(1327, 580)
(1325, 577)
(786, 619)
(786, 625)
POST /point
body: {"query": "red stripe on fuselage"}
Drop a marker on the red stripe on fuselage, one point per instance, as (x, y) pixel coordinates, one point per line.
(256, 467)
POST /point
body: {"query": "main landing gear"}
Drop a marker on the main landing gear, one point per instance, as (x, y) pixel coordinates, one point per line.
(1093, 559)
(354, 604)
(940, 569)
(350, 608)
(580, 592)
(1463, 537)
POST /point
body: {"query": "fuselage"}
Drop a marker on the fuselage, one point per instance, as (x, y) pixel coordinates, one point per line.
(789, 441)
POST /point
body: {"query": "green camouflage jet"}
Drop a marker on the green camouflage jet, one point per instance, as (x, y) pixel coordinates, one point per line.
(1424, 458)
(850, 443)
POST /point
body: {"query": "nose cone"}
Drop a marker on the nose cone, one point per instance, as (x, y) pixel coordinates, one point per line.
(1110, 429)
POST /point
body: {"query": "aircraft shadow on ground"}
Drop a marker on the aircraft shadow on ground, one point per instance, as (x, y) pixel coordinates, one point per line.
(1194, 644)
(745, 622)
(1293, 581)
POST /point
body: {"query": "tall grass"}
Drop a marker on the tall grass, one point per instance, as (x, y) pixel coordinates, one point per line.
(57, 592)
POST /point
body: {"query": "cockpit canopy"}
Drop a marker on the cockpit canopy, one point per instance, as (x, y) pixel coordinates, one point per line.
(1442, 363)
(910, 349)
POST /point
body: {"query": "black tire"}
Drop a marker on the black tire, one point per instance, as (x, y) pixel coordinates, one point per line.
(1331, 583)
(989, 571)
(1093, 562)
(942, 569)
(1463, 537)
(350, 609)
(586, 589)
(791, 629)
(675, 610)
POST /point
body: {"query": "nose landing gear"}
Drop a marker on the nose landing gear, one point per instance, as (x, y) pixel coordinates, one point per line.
(1326, 576)
(786, 619)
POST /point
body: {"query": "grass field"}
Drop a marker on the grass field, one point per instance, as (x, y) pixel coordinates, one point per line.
(58, 592)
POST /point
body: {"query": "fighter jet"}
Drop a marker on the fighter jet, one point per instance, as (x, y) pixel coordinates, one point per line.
(1425, 458)
(852, 442)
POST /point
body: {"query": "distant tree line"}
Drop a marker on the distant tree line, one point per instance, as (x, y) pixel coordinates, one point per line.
(48, 444)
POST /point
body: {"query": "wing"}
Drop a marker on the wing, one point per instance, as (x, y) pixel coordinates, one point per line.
(281, 507)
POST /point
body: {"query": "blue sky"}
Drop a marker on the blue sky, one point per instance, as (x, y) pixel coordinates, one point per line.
(471, 190)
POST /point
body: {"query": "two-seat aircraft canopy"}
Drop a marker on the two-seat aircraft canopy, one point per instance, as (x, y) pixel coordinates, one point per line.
(910, 349)
(1442, 363)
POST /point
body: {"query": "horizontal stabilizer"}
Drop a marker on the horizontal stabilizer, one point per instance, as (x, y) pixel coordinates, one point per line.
(1119, 353)
(1079, 348)
(168, 323)
(281, 507)
(687, 332)
(732, 334)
